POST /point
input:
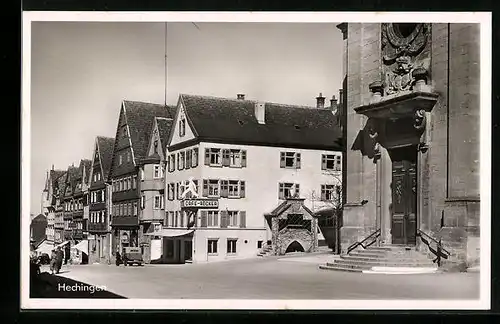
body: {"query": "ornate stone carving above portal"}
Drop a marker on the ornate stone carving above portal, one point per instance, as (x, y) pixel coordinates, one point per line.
(405, 50)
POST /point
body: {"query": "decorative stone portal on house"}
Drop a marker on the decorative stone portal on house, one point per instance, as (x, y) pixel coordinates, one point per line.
(412, 153)
(294, 227)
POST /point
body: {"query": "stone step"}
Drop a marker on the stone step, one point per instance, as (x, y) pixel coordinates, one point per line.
(367, 254)
(412, 264)
(338, 268)
(364, 258)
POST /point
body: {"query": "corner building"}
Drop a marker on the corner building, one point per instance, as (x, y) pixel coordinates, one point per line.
(251, 156)
(413, 136)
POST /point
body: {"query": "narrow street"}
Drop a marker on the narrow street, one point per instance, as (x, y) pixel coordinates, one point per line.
(296, 277)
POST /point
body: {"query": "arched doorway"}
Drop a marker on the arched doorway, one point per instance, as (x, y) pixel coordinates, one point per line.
(294, 247)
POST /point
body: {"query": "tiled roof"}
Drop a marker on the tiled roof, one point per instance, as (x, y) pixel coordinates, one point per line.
(54, 175)
(71, 175)
(105, 145)
(61, 182)
(140, 118)
(164, 128)
(233, 120)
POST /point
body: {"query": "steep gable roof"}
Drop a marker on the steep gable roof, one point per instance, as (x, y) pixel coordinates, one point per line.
(105, 148)
(233, 120)
(140, 118)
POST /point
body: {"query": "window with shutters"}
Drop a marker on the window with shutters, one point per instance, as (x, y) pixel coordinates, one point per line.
(182, 127)
(213, 188)
(290, 160)
(213, 156)
(232, 216)
(288, 190)
(234, 189)
(231, 246)
(135, 208)
(181, 160)
(331, 162)
(212, 218)
(235, 158)
(212, 246)
(171, 191)
(157, 171)
(171, 163)
(194, 161)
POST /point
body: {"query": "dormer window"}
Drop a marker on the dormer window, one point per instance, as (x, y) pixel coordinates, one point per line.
(182, 127)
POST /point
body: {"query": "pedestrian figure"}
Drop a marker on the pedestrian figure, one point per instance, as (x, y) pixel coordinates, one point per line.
(124, 258)
(118, 258)
(59, 259)
(53, 261)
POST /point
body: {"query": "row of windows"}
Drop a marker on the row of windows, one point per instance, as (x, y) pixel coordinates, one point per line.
(73, 205)
(124, 184)
(97, 196)
(208, 218)
(328, 161)
(211, 188)
(125, 209)
(98, 216)
(226, 157)
(158, 202)
(183, 160)
(213, 246)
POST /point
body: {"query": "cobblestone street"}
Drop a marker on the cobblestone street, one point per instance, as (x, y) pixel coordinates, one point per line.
(291, 277)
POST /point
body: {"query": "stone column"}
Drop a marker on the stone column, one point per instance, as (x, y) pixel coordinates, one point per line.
(385, 196)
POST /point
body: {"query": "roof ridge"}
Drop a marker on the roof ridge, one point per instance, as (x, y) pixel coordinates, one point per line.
(145, 102)
(167, 118)
(253, 101)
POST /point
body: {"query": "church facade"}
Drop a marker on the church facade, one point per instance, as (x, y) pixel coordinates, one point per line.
(412, 137)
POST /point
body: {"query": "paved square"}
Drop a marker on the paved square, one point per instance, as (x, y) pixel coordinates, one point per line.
(296, 277)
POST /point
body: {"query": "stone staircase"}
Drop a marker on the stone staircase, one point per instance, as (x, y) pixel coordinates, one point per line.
(383, 259)
(267, 250)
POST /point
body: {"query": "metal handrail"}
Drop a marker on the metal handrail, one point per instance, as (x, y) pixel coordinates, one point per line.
(364, 246)
(438, 252)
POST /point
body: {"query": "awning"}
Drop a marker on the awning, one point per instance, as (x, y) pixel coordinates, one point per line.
(171, 232)
(82, 246)
(45, 247)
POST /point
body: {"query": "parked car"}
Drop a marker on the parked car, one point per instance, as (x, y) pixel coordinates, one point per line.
(132, 255)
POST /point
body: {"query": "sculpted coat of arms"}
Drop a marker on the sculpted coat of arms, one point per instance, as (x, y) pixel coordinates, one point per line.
(401, 45)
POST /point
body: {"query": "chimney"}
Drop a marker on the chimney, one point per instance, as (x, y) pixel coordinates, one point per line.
(333, 103)
(320, 101)
(241, 96)
(260, 112)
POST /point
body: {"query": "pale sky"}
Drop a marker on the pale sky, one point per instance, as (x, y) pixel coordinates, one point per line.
(82, 71)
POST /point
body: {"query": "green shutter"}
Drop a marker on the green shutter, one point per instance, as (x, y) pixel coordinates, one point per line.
(194, 162)
(224, 192)
(242, 189)
(243, 158)
(243, 219)
(282, 159)
(207, 156)
(205, 188)
(223, 218)
(204, 215)
(225, 157)
(323, 162)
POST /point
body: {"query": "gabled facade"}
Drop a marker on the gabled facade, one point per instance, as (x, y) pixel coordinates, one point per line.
(49, 201)
(71, 206)
(100, 201)
(251, 156)
(58, 191)
(130, 147)
(78, 200)
(152, 186)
